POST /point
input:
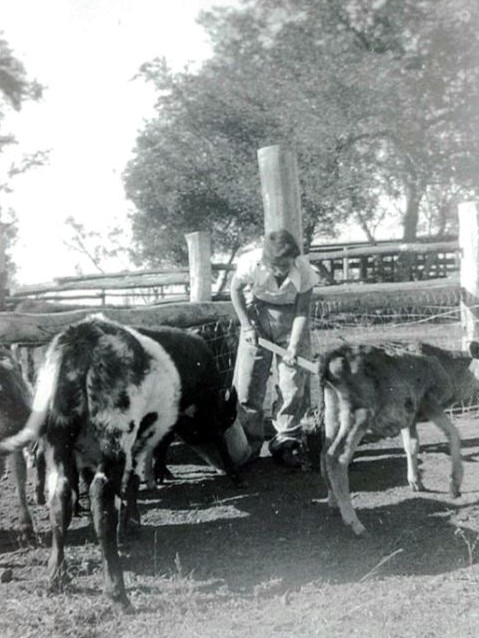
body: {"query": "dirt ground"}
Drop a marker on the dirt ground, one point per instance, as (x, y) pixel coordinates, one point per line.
(268, 559)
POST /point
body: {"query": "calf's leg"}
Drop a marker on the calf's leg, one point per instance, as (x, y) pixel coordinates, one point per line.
(105, 521)
(129, 511)
(410, 441)
(352, 426)
(61, 481)
(331, 427)
(40, 474)
(19, 468)
(439, 418)
(160, 471)
(225, 456)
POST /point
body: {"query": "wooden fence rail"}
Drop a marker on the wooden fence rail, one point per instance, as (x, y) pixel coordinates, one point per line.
(38, 329)
(360, 264)
(396, 261)
(29, 328)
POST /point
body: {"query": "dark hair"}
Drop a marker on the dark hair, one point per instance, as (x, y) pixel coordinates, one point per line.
(278, 245)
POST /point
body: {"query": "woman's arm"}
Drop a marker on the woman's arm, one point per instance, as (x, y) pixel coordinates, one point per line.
(300, 324)
(239, 304)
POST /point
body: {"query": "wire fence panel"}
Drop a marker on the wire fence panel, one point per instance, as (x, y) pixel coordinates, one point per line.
(432, 318)
(222, 337)
(442, 329)
(437, 324)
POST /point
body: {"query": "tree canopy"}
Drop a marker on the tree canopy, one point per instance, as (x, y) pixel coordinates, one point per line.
(15, 89)
(15, 86)
(379, 100)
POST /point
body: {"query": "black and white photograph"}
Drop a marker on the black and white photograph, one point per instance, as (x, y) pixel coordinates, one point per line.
(239, 318)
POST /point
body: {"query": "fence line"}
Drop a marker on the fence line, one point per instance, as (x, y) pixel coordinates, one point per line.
(381, 263)
(222, 333)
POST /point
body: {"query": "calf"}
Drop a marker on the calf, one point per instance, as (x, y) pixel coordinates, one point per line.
(193, 426)
(462, 370)
(387, 390)
(14, 412)
(105, 397)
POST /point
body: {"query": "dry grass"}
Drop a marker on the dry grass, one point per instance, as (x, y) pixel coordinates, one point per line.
(165, 607)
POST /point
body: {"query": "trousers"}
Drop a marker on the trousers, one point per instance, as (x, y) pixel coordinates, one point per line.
(252, 371)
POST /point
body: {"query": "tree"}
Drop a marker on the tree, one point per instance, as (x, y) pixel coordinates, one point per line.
(15, 89)
(378, 99)
(99, 249)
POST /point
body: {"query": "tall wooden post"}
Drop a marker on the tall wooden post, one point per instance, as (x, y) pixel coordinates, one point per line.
(469, 244)
(278, 171)
(3, 266)
(199, 257)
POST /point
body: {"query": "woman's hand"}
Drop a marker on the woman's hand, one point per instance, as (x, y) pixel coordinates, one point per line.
(290, 358)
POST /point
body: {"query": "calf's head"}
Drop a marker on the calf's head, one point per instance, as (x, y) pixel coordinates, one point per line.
(228, 409)
(206, 435)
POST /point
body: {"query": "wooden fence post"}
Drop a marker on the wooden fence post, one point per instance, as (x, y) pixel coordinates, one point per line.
(3, 266)
(345, 264)
(199, 257)
(469, 245)
(278, 171)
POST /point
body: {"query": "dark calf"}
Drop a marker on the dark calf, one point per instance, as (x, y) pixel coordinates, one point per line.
(195, 429)
(205, 411)
(14, 412)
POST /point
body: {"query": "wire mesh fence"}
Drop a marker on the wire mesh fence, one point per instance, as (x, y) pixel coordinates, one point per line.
(222, 336)
(437, 323)
(441, 328)
(432, 317)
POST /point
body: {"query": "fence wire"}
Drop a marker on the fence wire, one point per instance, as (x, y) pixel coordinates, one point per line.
(437, 324)
(430, 317)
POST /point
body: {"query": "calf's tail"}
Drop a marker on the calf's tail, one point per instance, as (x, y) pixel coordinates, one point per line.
(42, 401)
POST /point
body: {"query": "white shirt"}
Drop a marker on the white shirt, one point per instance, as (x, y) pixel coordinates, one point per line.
(261, 283)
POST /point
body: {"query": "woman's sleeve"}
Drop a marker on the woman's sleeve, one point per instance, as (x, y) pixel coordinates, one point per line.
(309, 276)
(244, 272)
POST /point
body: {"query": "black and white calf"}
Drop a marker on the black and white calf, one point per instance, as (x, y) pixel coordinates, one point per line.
(14, 411)
(105, 397)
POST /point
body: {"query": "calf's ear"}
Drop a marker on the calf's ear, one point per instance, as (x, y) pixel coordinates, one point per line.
(474, 349)
(231, 396)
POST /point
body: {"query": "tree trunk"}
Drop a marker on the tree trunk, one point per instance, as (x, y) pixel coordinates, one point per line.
(224, 273)
(411, 216)
(364, 225)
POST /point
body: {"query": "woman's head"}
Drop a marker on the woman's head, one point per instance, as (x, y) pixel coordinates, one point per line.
(280, 249)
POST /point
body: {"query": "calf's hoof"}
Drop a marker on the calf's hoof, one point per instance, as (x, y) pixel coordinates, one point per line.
(27, 534)
(358, 529)
(58, 581)
(454, 490)
(120, 601)
(164, 475)
(417, 486)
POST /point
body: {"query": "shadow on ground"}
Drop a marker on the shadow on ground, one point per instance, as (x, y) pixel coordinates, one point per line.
(278, 527)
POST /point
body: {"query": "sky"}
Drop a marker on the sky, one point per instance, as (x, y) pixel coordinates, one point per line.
(86, 53)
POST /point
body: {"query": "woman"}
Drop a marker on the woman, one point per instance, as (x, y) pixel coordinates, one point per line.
(271, 293)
